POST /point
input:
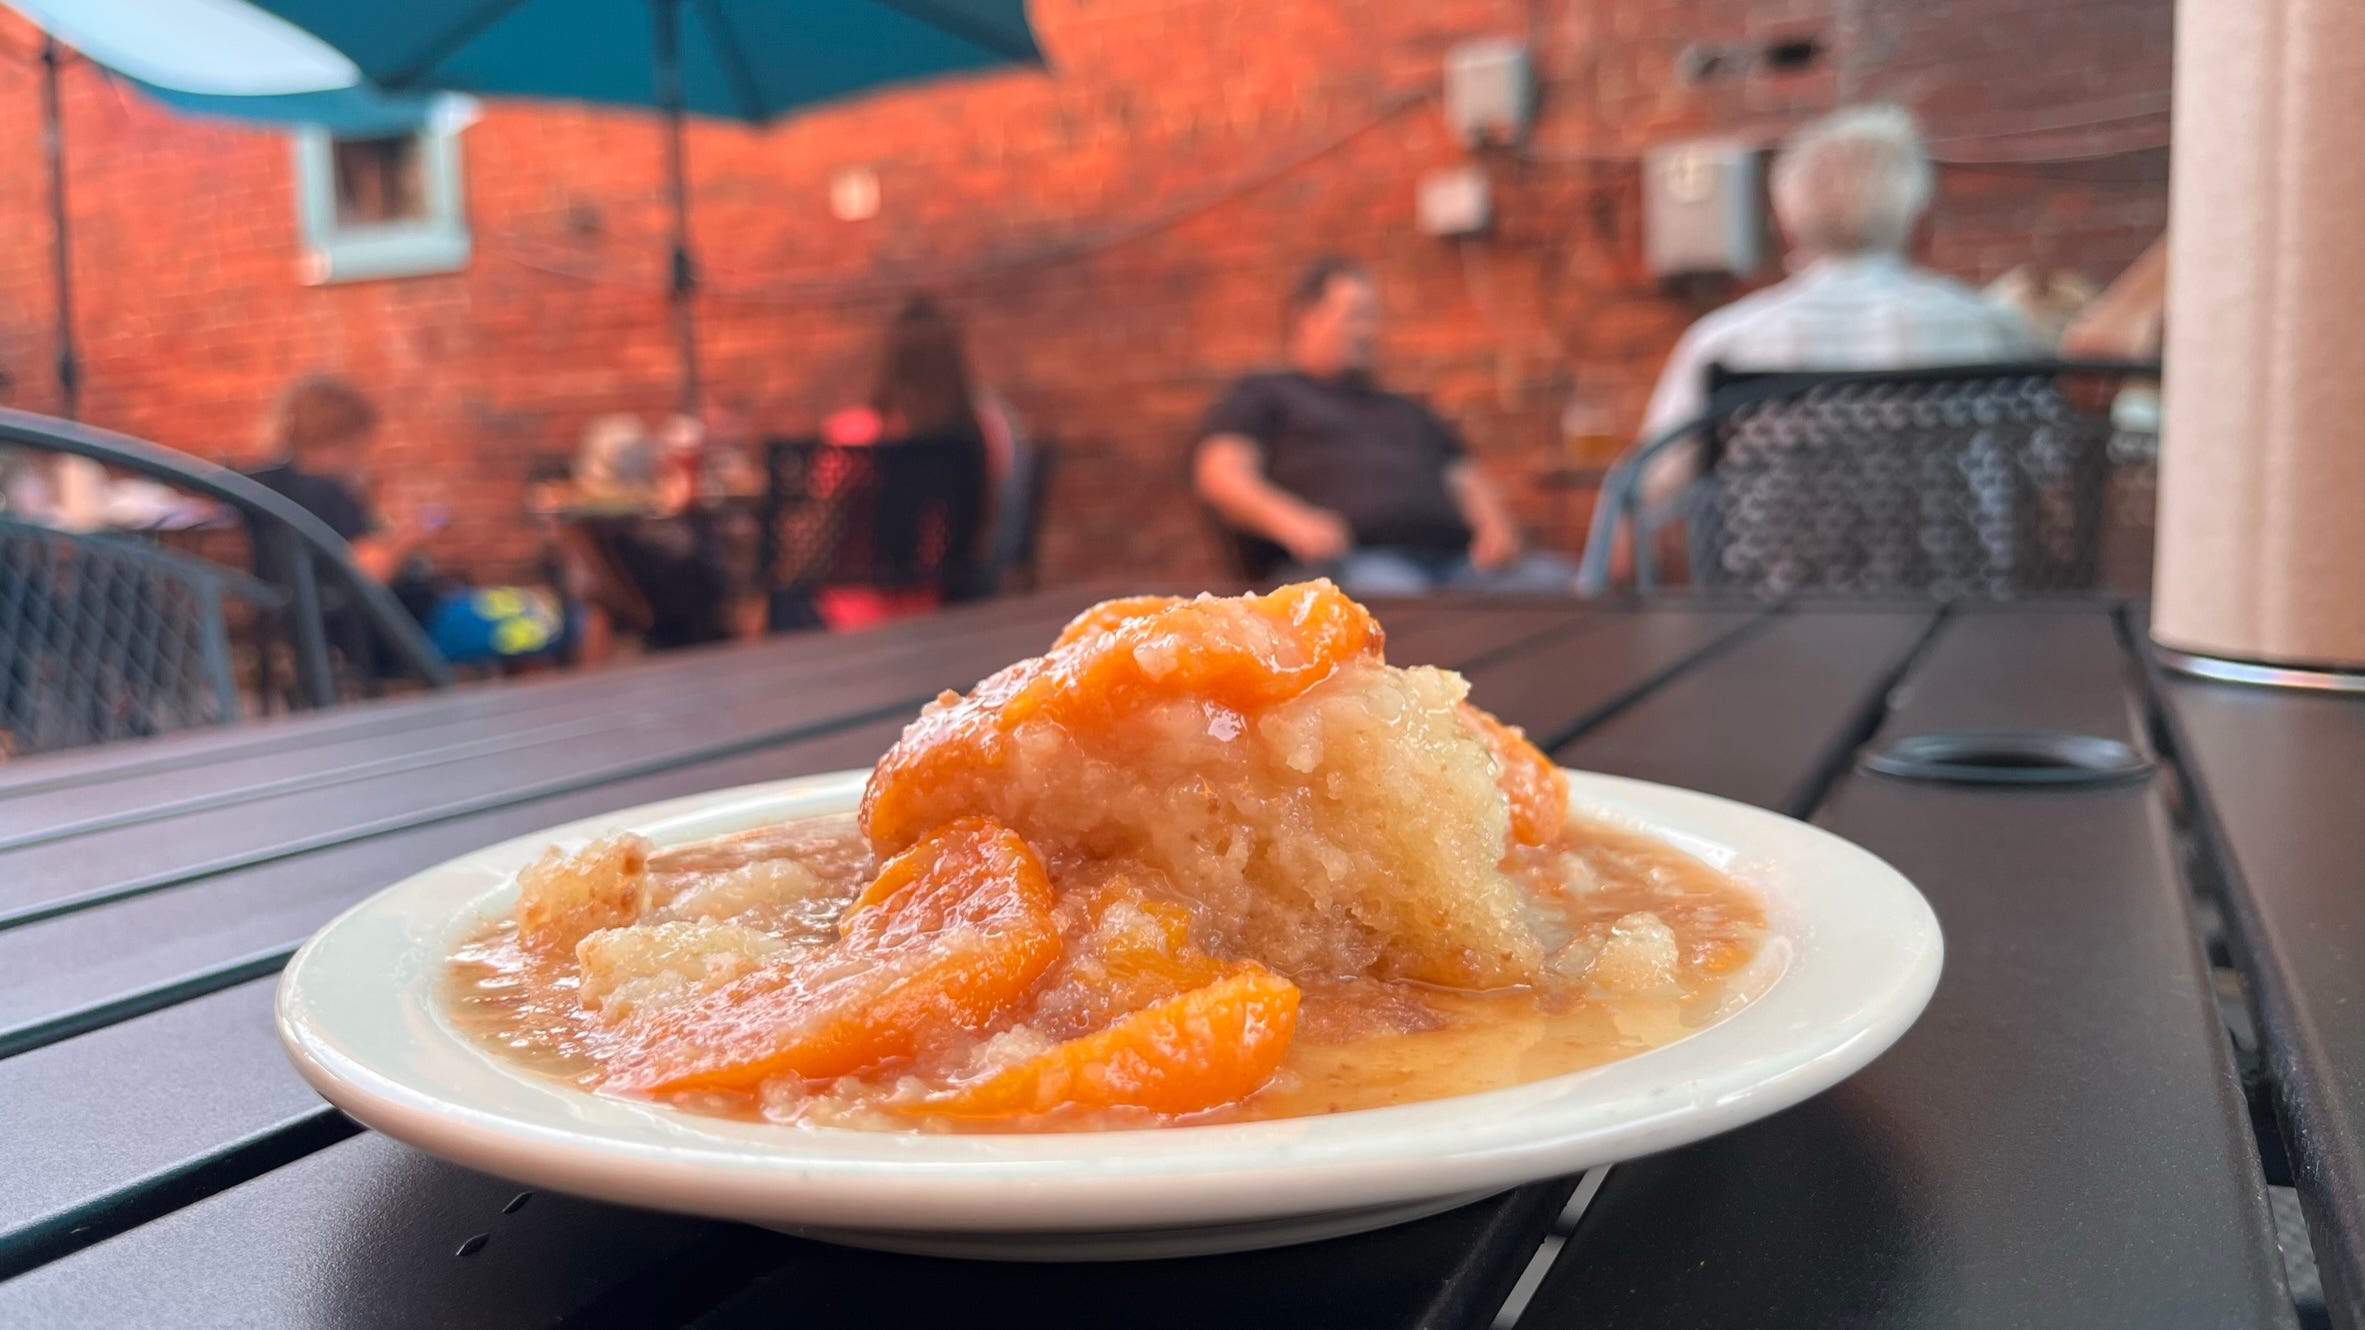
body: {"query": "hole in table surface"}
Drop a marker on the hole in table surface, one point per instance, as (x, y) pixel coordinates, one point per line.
(2010, 757)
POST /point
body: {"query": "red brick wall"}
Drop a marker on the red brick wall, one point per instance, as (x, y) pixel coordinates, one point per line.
(1114, 234)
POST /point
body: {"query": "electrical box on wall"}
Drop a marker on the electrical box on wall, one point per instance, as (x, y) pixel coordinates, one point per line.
(1454, 202)
(1490, 92)
(1700, 210)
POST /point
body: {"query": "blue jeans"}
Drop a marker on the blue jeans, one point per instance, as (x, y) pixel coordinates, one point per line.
(1399, 572)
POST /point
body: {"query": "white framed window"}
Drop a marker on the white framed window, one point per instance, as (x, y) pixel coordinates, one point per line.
(379, 206)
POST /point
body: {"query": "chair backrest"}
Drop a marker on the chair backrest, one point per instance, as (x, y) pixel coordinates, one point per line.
(312, 568)
(661, 579)
(900, 515)
(104, 638)
(1246, 556)
(1969, 482)
(1019, 501)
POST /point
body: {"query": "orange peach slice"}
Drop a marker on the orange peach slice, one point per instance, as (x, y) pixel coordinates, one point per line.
(1535, 786)
(1238, 653)
(951, 936)
(1110, 613)
(1197, 1050)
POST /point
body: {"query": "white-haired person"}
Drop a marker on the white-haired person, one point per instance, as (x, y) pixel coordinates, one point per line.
(1847, 190)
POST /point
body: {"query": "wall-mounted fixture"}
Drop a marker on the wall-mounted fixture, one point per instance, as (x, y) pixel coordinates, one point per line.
(854, 194)
(1455, 201)
(1490, 92)
(1700, 211)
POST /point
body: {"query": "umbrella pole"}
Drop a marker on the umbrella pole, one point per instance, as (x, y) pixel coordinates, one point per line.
(683, 279)
(53, 149)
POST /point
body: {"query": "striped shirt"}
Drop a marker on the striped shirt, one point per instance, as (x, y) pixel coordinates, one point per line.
(1860, 312)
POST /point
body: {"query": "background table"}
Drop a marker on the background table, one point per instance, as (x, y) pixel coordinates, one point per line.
(2064, 1139)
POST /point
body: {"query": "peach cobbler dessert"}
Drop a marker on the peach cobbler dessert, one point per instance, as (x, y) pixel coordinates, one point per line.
(1203, 860)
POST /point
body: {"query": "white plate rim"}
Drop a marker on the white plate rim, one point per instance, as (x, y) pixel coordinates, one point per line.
(1859, 950)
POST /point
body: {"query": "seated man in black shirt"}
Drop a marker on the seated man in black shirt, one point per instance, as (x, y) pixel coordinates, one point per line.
(1353, 482)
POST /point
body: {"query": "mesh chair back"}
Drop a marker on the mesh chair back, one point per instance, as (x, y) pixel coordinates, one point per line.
(104, 638)
(1972, 483)
(893, 516)
(282, 620)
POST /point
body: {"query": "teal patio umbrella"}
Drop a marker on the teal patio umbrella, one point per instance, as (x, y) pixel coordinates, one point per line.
(747, 60)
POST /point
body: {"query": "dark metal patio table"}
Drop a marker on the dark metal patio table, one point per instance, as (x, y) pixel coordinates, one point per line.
(2064, 1139)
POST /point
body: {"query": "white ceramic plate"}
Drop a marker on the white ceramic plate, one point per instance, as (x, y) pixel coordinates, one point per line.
(1853, 957)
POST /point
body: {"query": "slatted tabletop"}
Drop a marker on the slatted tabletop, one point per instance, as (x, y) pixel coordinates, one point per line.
(2062, 1139)
(2279, 799)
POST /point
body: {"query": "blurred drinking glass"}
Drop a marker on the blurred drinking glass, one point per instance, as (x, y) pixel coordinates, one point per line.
(1588, 428)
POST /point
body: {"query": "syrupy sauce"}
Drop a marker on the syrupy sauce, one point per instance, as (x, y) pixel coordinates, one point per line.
(1360, 1044)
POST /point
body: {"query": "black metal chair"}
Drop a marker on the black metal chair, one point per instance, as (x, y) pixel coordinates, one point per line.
(1012, 545)
(104, 636)
(898, 516)
(1966, 482)
(1246, 557)
(666, 582)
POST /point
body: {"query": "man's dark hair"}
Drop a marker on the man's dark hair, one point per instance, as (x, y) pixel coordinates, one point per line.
(1313, 283)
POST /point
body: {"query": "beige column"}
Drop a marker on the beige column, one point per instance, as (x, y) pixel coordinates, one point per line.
(2262, 474)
